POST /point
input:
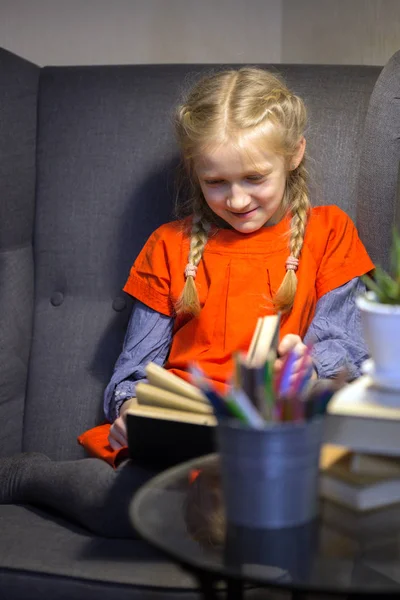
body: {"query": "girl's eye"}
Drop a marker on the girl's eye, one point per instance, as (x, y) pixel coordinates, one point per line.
(213, 181)
(255, 177)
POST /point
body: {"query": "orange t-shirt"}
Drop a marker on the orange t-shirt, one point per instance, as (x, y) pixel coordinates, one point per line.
(236, 279)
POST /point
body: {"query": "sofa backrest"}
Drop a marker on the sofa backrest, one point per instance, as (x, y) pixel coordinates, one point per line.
(105, 180)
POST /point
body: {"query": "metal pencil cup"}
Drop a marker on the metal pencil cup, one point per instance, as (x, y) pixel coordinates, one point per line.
(270, 475)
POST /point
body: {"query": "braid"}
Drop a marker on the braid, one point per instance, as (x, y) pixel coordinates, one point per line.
(198, 240)
(188, 301)
(299, 207)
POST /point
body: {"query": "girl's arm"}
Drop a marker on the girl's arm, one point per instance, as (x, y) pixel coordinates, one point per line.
(336, 333)
(148, 338)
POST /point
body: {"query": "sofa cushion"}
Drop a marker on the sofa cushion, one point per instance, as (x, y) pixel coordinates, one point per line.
(43, 556)
(45, 549)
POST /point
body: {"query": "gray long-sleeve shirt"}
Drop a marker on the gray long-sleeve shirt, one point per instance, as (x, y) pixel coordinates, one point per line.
(335, 333)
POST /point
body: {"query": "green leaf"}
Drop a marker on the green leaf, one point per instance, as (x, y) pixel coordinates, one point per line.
(385, 287)
(370, 284)
(395, 254)
(388, 286)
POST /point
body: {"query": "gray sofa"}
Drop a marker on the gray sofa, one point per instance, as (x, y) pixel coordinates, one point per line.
(86, 173)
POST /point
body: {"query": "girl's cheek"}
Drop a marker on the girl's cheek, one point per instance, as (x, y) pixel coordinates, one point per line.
(216, 198)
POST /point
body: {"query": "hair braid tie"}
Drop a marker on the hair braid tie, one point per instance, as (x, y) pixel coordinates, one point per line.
(292, 263)
(190, 270)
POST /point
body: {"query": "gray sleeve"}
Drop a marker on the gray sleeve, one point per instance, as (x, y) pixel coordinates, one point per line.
(148, 339)
(335, 332)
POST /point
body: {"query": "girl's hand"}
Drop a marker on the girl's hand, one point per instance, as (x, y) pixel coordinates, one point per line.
(292, 342)
(118, 436)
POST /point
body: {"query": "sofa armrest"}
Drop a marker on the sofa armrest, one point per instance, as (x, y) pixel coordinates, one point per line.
(18, 99)
(378, 198)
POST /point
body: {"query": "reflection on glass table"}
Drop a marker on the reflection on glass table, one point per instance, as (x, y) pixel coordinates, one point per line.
(340, 552)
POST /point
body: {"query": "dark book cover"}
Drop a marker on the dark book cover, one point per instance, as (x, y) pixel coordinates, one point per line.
(165, 443)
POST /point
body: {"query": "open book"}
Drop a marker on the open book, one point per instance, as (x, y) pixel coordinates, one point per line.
(171, 420)
(265, 340)
(172, 416)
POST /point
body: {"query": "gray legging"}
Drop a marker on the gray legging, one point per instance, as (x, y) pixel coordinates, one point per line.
(87, 491)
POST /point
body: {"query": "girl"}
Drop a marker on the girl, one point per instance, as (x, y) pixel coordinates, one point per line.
(251, 245)
(248, 244)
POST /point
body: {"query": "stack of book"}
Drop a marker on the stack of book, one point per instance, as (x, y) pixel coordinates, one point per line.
(361, 482)
(365, 418)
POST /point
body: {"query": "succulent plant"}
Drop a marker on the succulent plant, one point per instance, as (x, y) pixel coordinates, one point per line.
(385, 286)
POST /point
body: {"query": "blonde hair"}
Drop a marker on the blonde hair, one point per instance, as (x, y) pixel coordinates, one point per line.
(239, 106)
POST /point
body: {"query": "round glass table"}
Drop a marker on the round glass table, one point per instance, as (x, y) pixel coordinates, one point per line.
(340, 552)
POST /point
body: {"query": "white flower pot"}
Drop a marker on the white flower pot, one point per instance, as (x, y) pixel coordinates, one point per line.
(381, 328)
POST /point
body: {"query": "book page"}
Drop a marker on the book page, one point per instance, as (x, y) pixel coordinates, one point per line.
(155, 412)
(160, 377)
(154, 396)
(265, 338)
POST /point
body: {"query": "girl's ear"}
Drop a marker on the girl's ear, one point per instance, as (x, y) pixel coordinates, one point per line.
(298, 155)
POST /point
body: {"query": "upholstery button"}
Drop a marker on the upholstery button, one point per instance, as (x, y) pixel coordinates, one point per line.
(57, 298)
(119, 304)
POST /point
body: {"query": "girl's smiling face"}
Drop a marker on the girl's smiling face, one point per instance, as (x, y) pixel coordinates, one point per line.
(244, 189)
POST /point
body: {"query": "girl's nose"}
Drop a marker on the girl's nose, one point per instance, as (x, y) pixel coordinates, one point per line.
(237, 199)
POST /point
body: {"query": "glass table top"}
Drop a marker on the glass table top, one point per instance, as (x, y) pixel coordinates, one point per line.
(340, 551)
